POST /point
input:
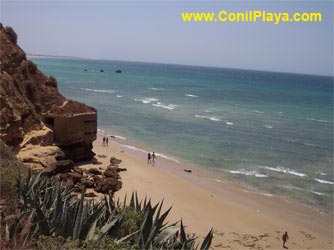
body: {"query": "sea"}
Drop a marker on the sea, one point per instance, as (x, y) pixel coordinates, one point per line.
(269, 131)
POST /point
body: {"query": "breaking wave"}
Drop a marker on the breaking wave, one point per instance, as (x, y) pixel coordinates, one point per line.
(100, 90)
(147, 100)
(190, 95)
(161, 105)
(212, 118)
(248, 173)
(286, 171)
(324, 181)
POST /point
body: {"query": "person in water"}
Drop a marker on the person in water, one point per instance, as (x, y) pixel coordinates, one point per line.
(153, 157)
(285, 238)
(148, 158)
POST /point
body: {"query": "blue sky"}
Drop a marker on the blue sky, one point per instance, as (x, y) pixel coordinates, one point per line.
(152, 31)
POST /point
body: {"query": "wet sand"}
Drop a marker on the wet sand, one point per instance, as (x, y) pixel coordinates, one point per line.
(242, 218)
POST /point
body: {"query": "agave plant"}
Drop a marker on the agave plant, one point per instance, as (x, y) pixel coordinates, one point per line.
(47, 208)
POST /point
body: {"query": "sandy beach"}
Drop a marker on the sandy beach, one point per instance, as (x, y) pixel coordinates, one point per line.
(241, 218)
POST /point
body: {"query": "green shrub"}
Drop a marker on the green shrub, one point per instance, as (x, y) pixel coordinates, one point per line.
(9, 170)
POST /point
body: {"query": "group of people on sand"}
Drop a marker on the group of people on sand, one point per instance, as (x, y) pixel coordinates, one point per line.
(105, 141)
(151, 158)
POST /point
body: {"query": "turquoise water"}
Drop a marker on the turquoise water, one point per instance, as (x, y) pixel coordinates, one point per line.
(271, 131)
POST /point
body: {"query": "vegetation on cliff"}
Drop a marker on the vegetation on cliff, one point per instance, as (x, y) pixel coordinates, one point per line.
(44, 214)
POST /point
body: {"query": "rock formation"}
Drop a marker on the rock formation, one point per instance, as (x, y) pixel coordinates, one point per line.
(46, 129)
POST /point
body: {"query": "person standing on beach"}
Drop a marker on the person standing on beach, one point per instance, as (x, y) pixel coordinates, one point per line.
(149, 158)
(103, 141)
(107, 141)
(153, 157)
(285, 238)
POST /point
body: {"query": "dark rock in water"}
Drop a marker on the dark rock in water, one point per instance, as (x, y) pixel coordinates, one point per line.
(118, 71)
(85, 70)
(101, 70)
(93, 171)
(106, 184)
(114, 161)
(188, 171)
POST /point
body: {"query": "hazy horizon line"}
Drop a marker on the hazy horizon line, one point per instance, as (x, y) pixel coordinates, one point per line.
(168, 63)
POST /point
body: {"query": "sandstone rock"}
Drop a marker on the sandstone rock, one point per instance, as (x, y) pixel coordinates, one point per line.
(75, 177)
(111, 172)
(58, 167)
(33, 112)
(106, 184)
(114, 161)
(88, 183)
(93, 171)
(91, 194)
(78, 170)
(102, 156)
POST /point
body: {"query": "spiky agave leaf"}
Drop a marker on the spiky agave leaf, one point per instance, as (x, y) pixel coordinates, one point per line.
(207, 241)
(105, 229)
(89, 226)
(165, 235)
(79, 216)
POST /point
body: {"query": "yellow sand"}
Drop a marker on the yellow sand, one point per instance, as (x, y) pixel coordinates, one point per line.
(242, 219)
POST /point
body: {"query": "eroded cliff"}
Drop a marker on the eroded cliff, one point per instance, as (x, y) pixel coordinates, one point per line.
(44, 127)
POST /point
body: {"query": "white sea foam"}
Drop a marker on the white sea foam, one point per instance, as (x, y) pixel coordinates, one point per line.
(318, 193)
(286, 170)
(167, 157)
(248, 173)
(119, 137)
(266, 194)
(212, 118)
(277, 169)
(297, 173)
(100, 131)
(190, 95)
(268, 126)
(229, 123)
(100, 90)
(254, 111)
(133, 148)
(161, 105)
(119, 96)
(147, 100)
(157, 88)
(324, 181)
(315, 120)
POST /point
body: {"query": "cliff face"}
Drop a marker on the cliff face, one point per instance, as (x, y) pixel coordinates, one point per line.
(34, 113)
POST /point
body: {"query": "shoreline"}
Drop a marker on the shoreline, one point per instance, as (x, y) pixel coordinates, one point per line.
(234, 212)
(206, 178)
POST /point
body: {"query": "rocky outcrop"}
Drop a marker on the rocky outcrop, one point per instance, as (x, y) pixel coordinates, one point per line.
(47, 130)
